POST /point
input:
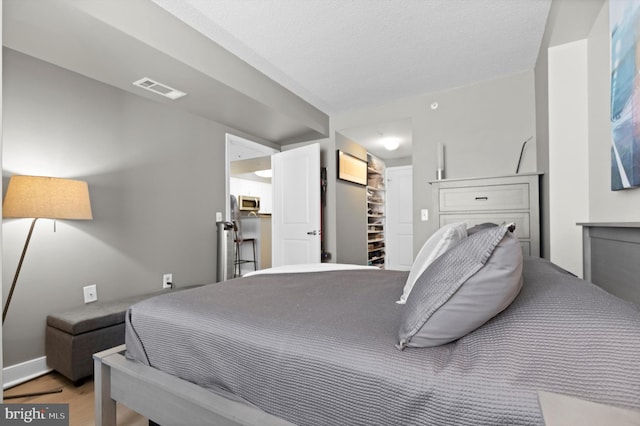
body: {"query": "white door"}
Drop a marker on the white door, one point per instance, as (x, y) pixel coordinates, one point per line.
(296, 206)
(399, 232)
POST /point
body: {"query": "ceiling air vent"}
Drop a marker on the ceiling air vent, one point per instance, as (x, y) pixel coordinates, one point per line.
(159, 88)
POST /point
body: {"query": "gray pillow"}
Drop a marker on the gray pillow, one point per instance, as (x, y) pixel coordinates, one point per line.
(462, 289)
(441, 241)
(480, 227)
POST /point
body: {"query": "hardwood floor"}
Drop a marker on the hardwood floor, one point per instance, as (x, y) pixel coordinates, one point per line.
(80, 400)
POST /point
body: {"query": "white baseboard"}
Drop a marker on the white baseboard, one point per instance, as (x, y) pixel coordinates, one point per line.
(23, 372)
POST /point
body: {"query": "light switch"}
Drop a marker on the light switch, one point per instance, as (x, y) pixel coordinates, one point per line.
(90, 293)
(424, 215)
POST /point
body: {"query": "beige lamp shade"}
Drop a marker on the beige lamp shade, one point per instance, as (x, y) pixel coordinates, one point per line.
(47, 197)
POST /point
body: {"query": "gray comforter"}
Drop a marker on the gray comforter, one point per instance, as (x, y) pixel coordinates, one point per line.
(318, 349)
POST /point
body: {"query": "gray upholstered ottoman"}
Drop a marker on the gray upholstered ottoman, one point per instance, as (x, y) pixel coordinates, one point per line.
(72, 337)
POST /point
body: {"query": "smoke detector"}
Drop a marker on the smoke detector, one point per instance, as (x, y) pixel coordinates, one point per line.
(159, 88)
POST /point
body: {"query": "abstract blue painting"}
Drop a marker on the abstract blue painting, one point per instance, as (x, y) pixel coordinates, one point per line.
(624, 23)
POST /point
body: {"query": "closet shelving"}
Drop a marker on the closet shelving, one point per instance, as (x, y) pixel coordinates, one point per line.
(375, 211)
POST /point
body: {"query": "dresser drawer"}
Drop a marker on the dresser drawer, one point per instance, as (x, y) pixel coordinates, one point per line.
(472, 219)
(483, 198)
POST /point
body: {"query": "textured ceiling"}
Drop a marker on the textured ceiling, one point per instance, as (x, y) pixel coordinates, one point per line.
(341, 55)
(372, 138)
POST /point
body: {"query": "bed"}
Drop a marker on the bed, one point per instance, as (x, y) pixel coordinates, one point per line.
(322, 347)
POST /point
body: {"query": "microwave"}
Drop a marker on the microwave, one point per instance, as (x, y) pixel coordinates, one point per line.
(248, 203)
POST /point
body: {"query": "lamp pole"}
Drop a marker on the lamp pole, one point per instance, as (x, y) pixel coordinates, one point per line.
(15, 277)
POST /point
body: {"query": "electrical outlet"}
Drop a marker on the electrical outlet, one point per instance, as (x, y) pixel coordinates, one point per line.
(167, 281)
(424, 215)
(218, 216)
(90, 293)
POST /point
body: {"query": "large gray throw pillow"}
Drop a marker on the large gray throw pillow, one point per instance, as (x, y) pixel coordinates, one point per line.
(462, 289)
(440, 242)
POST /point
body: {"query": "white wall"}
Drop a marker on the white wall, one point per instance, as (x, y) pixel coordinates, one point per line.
(568, 153)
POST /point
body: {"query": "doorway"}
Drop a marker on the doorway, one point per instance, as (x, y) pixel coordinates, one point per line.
(292, 235)
(248, 167)
(237, 150)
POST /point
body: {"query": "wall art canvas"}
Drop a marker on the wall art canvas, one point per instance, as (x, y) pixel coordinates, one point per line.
(351, 168)
(624, 24)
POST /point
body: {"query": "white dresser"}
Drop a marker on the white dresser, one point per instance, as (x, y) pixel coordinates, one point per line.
(512, 198)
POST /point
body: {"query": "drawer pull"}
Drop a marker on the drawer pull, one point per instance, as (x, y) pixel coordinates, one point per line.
(482, 198)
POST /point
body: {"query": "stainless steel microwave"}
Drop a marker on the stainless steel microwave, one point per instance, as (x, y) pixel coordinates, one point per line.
(248, 203)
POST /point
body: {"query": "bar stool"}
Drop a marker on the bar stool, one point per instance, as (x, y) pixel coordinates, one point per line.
(238, 261)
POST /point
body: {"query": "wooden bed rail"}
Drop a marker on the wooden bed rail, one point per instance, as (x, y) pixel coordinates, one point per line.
(163, 398)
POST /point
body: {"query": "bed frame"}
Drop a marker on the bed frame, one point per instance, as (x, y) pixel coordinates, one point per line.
(611, 253)
(163, 398)
(611, 257)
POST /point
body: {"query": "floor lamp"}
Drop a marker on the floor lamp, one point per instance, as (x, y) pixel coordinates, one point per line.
(48, 198)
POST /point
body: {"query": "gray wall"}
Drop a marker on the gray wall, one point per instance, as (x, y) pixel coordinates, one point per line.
(351, 211)
(329, 234)
(156, 178)
(398, 162)
(482, 127)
